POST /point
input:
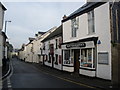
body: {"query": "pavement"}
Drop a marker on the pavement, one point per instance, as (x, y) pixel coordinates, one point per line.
(84, 80)
(6, 71)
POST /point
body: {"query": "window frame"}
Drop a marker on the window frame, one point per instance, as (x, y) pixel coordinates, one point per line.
(91, 22)
(74, 26)
(103, 63)
(88, 63)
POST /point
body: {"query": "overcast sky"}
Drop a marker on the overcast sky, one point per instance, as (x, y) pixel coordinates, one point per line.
(30, 17)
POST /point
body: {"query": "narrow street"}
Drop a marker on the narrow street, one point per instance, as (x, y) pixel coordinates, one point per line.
(28, 76)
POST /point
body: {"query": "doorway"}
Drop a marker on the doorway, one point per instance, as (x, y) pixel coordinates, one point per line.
(76, 60)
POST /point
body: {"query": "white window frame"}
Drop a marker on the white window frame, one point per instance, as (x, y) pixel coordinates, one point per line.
(91, 24)
(87, 58)
(74, 26)
(71, 64)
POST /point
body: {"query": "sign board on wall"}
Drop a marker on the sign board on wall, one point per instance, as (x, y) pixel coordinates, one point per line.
(79, 45)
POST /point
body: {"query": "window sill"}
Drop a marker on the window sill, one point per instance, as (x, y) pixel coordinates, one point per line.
(91, 33)
(87, 68)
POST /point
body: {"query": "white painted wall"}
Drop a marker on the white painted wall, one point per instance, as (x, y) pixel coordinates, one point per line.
(1, 37)
(102, 30)
(56, 51)
(1, 48)
(102, 27)
(29, 55)
(1, 17)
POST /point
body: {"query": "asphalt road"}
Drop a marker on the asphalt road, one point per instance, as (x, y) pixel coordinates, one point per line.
(25, 75)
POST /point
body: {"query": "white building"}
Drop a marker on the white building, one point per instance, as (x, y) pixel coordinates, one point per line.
(37, 45)
(87, 41)
(52, 51)
(2, 35)
(29, 51)
(21, 52)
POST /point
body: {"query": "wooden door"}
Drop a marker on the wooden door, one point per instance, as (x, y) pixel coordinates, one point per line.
(76, 60)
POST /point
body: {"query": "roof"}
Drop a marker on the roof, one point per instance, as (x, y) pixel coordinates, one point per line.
(3, 33)
(41, 32)
(31, 39)
(3, 7)
(83, 40)
(84, 9)
(57, 32)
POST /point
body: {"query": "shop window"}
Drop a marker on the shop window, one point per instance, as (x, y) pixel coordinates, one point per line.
(67, 57)
(87, 59)
(103, 58)
(56, 59)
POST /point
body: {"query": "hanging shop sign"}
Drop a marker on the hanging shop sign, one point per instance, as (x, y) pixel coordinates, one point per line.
(76, 45)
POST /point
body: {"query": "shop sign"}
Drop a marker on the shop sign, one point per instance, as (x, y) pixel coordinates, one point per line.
(76, 45)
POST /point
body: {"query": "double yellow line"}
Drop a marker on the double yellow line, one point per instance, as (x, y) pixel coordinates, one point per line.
(68, 80)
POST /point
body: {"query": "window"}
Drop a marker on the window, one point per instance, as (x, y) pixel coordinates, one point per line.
(60, 42)
(60, 59)
(91, 22)
(56, 59)
(67, 57)
(49, 45)
(43, 46)
(87, 58)
(51, 48)
(74, 24)
(56, 45)
(103, 58)
(49, 61)
(67, 54)
(45, 57)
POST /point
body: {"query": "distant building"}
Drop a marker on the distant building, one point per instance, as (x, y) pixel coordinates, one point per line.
(31, 52)
(52, 52)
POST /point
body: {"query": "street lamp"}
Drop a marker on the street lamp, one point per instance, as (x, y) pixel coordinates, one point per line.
(6, 25)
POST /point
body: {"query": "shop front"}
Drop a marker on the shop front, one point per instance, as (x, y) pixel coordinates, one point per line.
(80, 56)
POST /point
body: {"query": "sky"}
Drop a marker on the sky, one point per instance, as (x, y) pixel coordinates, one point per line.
(27, 18)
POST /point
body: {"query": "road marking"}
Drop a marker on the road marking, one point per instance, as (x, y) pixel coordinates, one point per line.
(68, 80)
(9, 84)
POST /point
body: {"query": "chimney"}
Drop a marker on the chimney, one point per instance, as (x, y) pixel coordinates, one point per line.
(36, 35)
(64, 17)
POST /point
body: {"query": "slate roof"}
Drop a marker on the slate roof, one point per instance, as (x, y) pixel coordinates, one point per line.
(84, 9)
(57, 32)
(41, 32)
(3, 33)
(3, 7)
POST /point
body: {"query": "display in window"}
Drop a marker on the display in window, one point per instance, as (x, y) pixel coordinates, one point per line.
(86, 58)
(67, 57)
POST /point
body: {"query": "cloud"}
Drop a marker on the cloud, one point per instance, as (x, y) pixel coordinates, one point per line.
(29, 18)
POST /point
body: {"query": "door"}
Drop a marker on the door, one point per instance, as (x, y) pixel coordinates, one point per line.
(52, 56)
(76, 60)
